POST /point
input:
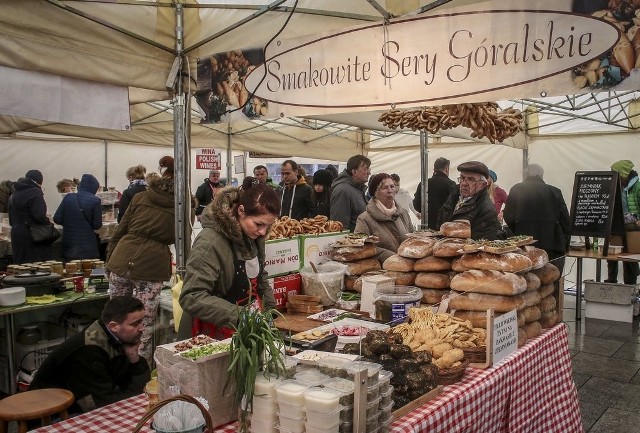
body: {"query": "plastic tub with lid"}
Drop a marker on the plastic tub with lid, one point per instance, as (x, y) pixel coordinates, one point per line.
(326, 283)
(265, 385)
(315, 429)
(291, 410)
(324, 419)
(311, 377)
(393, 303)
(290, 424)
(372, 368)
(345, 386)
(291, 392)
(322, 399)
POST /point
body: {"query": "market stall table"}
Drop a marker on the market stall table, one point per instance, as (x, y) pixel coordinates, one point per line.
(590, 254)
(531, 391)
(9, 314)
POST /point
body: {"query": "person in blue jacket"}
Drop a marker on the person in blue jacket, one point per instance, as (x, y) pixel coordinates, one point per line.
(80, 214)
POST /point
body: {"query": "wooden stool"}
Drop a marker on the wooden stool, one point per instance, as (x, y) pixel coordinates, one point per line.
(31, 405)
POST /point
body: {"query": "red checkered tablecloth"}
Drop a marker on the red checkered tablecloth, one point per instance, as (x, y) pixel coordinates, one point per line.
(529, 392)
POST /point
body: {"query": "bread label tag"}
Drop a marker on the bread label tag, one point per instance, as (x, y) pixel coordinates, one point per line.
(505, 336)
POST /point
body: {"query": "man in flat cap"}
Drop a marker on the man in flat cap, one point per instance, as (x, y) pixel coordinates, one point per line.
(208, 190)
(469, 200)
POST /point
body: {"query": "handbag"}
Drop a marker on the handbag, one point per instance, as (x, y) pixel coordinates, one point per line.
(43, 233)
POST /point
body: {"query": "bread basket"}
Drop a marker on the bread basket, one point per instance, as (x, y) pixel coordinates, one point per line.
(452, 375)
(475, 354)
(182, 397)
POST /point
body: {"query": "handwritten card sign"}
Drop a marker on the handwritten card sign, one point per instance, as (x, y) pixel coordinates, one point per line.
(505, 336)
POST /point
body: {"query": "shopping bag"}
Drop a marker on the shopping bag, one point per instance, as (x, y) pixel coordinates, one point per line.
(176, 289)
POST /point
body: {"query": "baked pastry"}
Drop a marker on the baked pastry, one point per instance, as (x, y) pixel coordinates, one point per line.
(538, 256)
(448, 247)
(533, 282)
(456, 229)
(483, 302)
(432, 264)
(490, 282)
(398, 263)
(506, 262)
(547, 274)
(416, 248)
(432, 296)
(353, 253)
(434, 280)
(402, 278)
(361, 266)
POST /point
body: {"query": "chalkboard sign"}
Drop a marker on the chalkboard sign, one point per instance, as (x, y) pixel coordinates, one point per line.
(596, 205)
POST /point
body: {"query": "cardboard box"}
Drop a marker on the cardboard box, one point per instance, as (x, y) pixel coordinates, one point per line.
(609, 293)
(317, 248)
(615, 312)
(204, 377)
(633, 242)
(284, 286)
(282, 256)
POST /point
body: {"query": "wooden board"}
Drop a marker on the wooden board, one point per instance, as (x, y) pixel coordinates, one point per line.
(296, 323)
(417, 402)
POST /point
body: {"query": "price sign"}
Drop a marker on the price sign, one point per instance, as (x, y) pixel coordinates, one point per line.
(505, 336)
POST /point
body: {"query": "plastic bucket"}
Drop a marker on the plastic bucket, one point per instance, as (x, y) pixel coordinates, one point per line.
(196, 429)
(326, 283)
(393, 303)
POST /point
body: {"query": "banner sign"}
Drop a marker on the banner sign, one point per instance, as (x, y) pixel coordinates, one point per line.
(207, 159)
(463, 56)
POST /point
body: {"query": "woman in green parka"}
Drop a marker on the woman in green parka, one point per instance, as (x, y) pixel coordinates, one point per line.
(226, 264)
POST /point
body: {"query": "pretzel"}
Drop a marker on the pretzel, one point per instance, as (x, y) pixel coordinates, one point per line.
(286, 227)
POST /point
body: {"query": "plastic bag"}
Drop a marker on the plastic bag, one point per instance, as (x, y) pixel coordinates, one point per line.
(176, 289)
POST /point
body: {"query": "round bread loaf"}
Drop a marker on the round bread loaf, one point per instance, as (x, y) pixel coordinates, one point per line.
(533, 282)
(353, 253)
(432, 296)
(434, 280)
(361, 266)
(538, 256)
(522, 337)
(457, 266)
(531, 298)
(482, 302)
(490, 282)
(547, 289)
(432, 264)
(506, 262)
(547, 274)
(416, 248)
(550, 319)
(402, 278)
(456, 229)
(398, 263)
(532, 329)
(548, 303)
(531, 314)
(448, 247)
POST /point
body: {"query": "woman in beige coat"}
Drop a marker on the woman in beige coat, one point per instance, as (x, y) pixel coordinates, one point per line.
(383, 217)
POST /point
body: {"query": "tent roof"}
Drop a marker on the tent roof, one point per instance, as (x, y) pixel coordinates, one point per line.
(132, 43)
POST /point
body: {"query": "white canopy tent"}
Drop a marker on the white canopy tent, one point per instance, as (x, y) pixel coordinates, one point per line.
(134, 43)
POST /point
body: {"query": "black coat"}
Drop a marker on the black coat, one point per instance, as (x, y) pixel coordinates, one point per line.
(438, 187)
(92, 364)
(539, 210)
(205, 194)
(479, 210)
(303, 206)
(27, 207)
(127, 195)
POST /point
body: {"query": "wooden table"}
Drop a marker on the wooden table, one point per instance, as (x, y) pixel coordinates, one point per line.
(579, 255)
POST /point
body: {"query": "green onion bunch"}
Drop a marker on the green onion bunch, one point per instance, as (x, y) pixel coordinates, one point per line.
(255, 346)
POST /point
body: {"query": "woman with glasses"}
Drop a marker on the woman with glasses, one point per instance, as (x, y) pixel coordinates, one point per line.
(383, 217)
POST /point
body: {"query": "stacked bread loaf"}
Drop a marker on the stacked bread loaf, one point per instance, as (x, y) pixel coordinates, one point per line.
(359, 259)
(519, 280)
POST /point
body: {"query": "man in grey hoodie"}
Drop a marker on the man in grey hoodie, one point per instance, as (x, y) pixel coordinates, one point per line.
(347, 191)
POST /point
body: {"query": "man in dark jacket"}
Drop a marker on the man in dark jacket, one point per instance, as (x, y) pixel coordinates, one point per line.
(208, 189)
(80, 214)
(347, 192)
(100, 365)
(295, 196)
(27, 208)
(470, 201)
(438, 188)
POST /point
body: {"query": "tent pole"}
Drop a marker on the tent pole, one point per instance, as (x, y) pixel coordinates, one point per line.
(179, 154)
(424, 174)
(106, 163)
(229, 155)
(525, 160)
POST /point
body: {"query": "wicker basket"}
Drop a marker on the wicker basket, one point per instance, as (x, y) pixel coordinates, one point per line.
(182, 397)
(452, 375)
(475, 354)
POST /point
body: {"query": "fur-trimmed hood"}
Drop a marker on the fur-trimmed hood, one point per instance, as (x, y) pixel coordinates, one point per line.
(219, 214)
(166, 184)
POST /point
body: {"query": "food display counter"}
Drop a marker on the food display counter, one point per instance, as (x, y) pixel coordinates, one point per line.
(530, 391)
